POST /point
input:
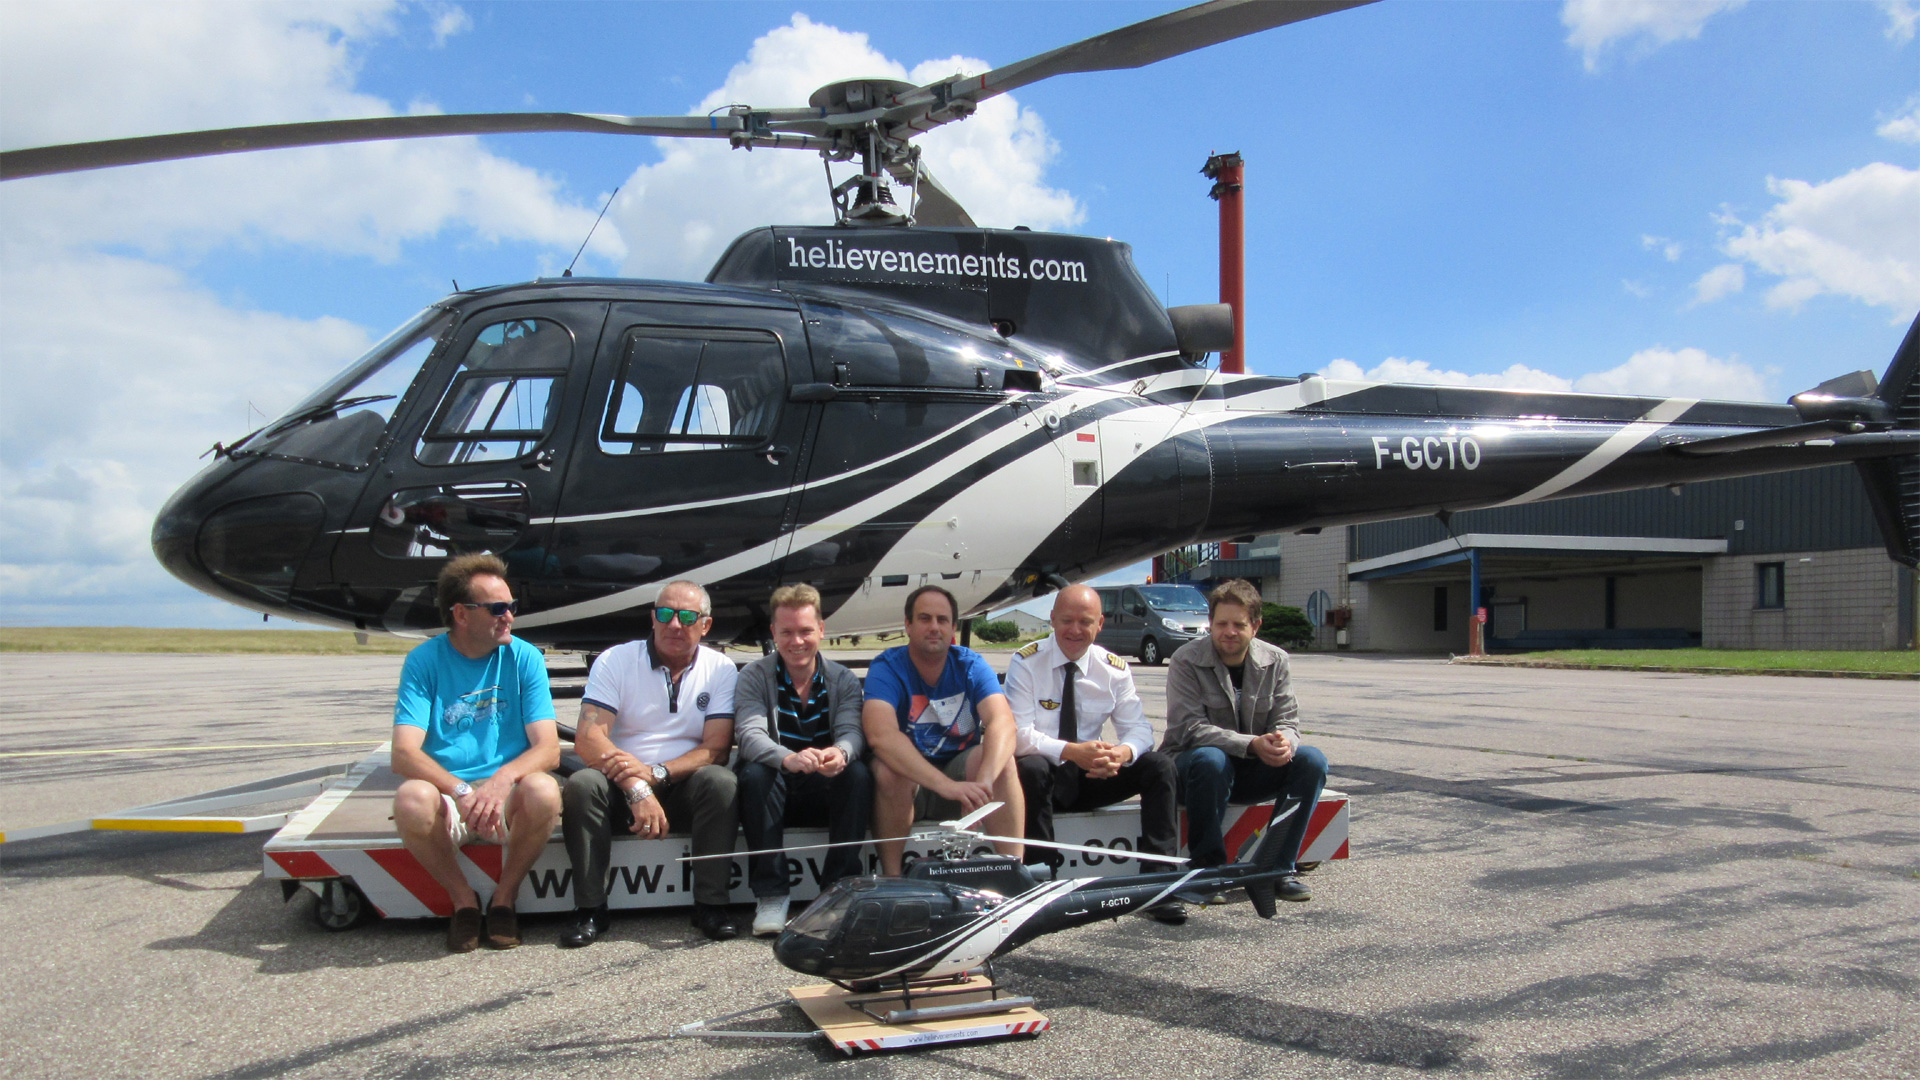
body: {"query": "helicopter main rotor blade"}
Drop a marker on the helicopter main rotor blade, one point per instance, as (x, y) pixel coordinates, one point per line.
(1143, 43)
(1145, 856)
(77, 157)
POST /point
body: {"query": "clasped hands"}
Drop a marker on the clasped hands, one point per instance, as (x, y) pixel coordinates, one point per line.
(1273, 748)
(1099, 760)
(827, 761)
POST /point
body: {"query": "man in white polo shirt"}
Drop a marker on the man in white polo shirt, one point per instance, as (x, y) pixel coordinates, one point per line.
(656, 726)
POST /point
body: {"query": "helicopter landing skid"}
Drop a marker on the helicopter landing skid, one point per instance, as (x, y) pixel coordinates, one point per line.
(970, 1008)
(974, 1008)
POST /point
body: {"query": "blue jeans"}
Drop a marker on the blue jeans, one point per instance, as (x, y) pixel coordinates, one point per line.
(1209, 780)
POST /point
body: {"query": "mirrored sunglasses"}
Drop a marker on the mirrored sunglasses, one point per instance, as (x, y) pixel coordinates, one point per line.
(496, 608)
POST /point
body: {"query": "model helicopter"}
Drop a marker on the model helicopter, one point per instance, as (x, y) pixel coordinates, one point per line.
(954, 912)
(898, 398)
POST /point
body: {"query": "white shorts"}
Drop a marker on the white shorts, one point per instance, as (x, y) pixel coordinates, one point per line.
(457, 829)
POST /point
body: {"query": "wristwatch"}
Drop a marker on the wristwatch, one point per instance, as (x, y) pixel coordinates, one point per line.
(661, 777)
(640, 793)
(462, 789)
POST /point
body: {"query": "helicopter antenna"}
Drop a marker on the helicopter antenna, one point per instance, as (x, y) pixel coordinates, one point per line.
(568, 272)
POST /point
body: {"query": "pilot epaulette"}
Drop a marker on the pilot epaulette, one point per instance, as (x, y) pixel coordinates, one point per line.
(1028, 650)
(1116, 663)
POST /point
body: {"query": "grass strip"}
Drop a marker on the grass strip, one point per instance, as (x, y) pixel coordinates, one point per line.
(1904, 663)
(140, 639)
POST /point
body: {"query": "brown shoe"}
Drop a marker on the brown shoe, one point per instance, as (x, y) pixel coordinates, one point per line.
(503, 927)
(463, 933)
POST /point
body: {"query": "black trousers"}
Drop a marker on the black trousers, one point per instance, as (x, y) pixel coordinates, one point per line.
(772, 798)
(1151, 777)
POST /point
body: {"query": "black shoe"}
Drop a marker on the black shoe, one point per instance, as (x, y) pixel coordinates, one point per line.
(588, 925)
(1172, 913)
(714, 921)
(1290, 888)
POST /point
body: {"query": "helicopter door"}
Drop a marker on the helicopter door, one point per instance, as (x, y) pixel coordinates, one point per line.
(685, 460)
(475, 462)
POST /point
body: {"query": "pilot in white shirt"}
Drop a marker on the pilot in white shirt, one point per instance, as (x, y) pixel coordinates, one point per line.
(1064, 690)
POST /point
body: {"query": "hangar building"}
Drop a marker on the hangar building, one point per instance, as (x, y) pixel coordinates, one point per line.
(1789, 561)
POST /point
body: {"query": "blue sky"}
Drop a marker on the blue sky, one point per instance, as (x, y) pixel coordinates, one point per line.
(1609, 195)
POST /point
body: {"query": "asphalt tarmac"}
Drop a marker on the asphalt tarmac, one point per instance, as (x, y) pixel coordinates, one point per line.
(1554, 874)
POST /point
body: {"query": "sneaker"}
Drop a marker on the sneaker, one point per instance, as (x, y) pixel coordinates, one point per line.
(714, 921)
(770, 916)
(1290, 888)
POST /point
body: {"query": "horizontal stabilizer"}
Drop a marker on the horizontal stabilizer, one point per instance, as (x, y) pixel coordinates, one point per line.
(1786, 436)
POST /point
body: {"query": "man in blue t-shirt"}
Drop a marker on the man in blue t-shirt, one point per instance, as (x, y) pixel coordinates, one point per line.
(473, 740)
(942, 733)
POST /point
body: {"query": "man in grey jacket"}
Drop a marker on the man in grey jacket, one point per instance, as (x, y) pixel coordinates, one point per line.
(1233, 731)
(797, 722)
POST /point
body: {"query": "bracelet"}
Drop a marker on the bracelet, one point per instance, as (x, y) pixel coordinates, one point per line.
(639, 794)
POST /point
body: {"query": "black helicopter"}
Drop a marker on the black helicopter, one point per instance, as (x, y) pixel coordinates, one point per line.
(895, 399)
(955, 912)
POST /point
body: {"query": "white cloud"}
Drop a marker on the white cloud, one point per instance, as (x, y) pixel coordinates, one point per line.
(1655, 372)
(679, 213)
(1902, 15)
(1594, 25)
(1857, 236)
(1905, 125)
(1721, 281)
(1636, 288)
(1399, 369)
(72, 73)
(102, 419)
(1662, 372)
(448, 20)
(118, 371)
(1669, 249)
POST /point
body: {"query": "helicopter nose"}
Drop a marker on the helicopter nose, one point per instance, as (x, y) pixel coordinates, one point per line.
(247, 550)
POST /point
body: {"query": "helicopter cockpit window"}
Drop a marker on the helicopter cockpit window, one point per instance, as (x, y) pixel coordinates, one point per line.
(685, 390)
(910, 917)
(502, 400)
(342, 422)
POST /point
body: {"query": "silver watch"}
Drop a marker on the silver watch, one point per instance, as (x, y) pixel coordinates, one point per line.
(462, 789)
(661, 776)
(641, 793)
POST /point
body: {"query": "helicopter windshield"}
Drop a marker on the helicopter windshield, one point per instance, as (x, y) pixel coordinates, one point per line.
(341, 423)
(1174, 597)
(826, 914)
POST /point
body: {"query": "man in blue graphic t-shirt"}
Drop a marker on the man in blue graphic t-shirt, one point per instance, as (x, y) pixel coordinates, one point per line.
(473, 740)
(942, 733)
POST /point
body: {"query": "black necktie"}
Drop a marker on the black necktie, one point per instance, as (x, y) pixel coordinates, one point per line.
(1066, 781)
(1069, 715)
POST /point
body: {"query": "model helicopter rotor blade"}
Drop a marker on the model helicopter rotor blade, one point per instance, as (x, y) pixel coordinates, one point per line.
(771, 850)
(78, 157)
(1146, 42)
(1145, 856)
(965, 823)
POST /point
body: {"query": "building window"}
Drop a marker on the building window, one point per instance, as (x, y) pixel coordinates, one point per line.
(1771, 585)
(1439, 608)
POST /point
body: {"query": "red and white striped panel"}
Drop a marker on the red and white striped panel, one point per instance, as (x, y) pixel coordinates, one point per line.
(648, 873)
